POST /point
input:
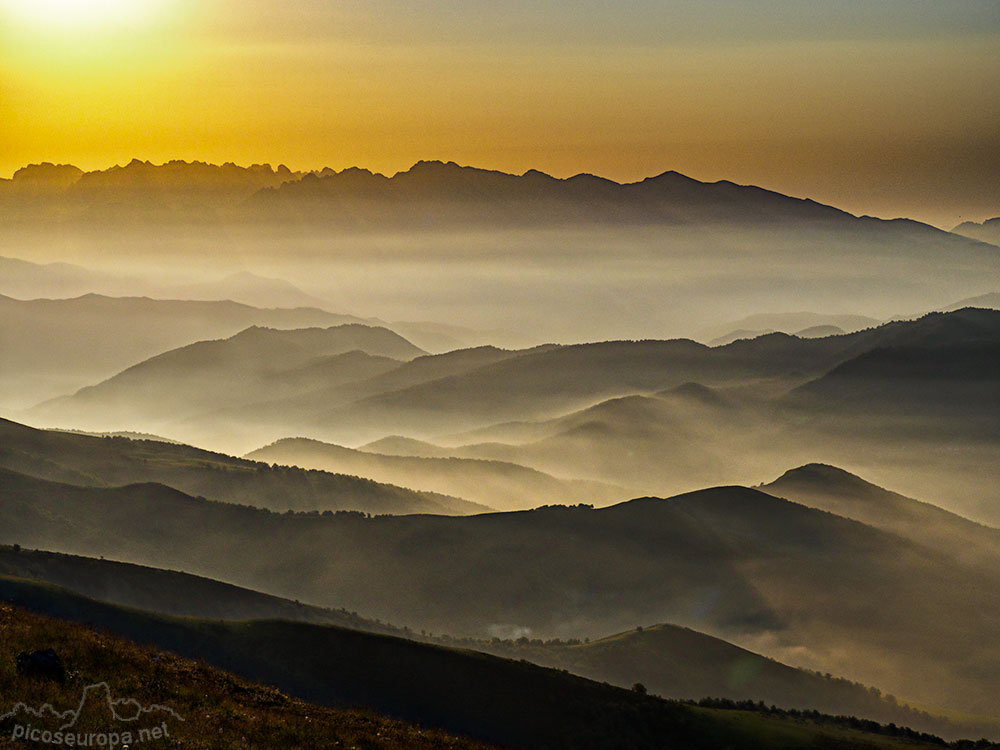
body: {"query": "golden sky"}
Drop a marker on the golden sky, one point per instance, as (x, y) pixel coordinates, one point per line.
(889, 108)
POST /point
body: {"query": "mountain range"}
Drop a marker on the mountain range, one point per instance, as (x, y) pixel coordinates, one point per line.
(653, 416)
(430, 193)
(521, 506)
(666, 256)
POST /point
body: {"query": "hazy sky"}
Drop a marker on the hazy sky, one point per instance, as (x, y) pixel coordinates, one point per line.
(889, 107)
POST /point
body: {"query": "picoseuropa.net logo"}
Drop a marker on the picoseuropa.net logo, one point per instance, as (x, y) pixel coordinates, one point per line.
(122, 723)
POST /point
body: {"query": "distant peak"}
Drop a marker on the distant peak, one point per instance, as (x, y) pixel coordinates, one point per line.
(536, 174)
(695, 392)
(433, 165)
(253, 331)
(48, 174)
(726, 493)
(819, 469)
(822, 474)
(588, 177)
(672, 176)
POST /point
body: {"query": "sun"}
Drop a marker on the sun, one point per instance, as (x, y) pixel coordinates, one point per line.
(83, 15)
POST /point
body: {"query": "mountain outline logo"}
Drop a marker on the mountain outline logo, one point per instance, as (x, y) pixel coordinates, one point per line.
(127, 711)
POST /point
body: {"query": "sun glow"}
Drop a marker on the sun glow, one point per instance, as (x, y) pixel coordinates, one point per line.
(82, 15)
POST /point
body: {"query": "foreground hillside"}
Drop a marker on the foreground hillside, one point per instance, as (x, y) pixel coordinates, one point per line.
(672, 662)
(512, 703)
(218, 709)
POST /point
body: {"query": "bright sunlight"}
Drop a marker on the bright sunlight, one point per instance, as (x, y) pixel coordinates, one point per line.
(82, 15)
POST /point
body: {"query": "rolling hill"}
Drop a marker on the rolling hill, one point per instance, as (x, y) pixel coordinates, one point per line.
(544, 384)
(92, 337)
(676, 662)
(951, 390)
(268, 398)
(25, 280)
(497, 484)
(669, 439)
(898, 399)
(791, 323)
(168, 592)
(111, 461)
(990, 301)
(837, 491)
(254, 365)
(799, 584)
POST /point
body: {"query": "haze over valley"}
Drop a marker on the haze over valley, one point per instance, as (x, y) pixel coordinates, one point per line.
(410, 376)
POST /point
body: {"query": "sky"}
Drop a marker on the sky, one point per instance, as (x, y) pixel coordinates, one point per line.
(889, 108)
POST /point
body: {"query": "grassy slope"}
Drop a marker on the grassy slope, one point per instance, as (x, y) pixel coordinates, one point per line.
(219, 709)
(168, 592)
(493, 699)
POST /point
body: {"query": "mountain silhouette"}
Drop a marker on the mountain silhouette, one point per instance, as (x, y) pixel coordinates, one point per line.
(255, 364)
(92, 337)
(45, 177)
(435, 193)
(954, 386)
(837, 491)
(990, 301)
(429, 194)
(541, 383)
(987, 231)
